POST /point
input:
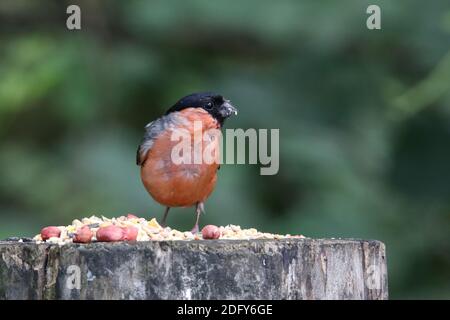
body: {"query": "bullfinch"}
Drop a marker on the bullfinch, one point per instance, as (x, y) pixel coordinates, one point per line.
(175, 183)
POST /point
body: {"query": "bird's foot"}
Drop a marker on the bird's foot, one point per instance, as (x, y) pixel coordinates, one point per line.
(195, 229)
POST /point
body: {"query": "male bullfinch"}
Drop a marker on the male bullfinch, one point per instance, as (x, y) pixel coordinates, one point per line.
(185, 184)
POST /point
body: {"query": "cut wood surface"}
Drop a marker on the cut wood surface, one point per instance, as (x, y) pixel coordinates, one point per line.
(204, 269)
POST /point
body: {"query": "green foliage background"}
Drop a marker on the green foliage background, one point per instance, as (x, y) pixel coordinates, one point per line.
(364, 117)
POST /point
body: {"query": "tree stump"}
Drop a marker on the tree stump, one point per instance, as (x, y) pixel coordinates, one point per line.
(204, 269)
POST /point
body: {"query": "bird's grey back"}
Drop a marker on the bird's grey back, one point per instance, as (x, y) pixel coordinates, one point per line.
(154, 129)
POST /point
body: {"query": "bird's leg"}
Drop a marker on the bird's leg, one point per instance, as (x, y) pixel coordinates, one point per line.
(166, 213)
(200, 208)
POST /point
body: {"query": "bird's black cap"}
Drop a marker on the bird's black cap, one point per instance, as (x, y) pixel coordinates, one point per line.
(214, 104)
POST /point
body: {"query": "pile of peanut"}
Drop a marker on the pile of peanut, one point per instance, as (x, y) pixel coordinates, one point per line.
(132, 228)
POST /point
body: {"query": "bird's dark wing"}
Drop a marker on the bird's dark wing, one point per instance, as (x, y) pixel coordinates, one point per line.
(152, 131)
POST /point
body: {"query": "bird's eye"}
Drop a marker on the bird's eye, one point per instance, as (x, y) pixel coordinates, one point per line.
(209, 105)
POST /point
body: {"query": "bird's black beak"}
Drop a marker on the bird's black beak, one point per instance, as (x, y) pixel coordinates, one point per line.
(227, 109)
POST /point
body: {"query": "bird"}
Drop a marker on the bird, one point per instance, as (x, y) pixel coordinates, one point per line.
(185, 184)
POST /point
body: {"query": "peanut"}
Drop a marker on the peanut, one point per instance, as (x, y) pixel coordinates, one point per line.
(50, 232)
(211, 232)
(110, 233)
(83, 235)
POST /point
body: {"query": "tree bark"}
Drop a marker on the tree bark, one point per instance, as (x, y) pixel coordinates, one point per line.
(206, 269)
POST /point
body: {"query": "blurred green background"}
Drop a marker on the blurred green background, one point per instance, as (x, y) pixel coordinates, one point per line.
(364, 117)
